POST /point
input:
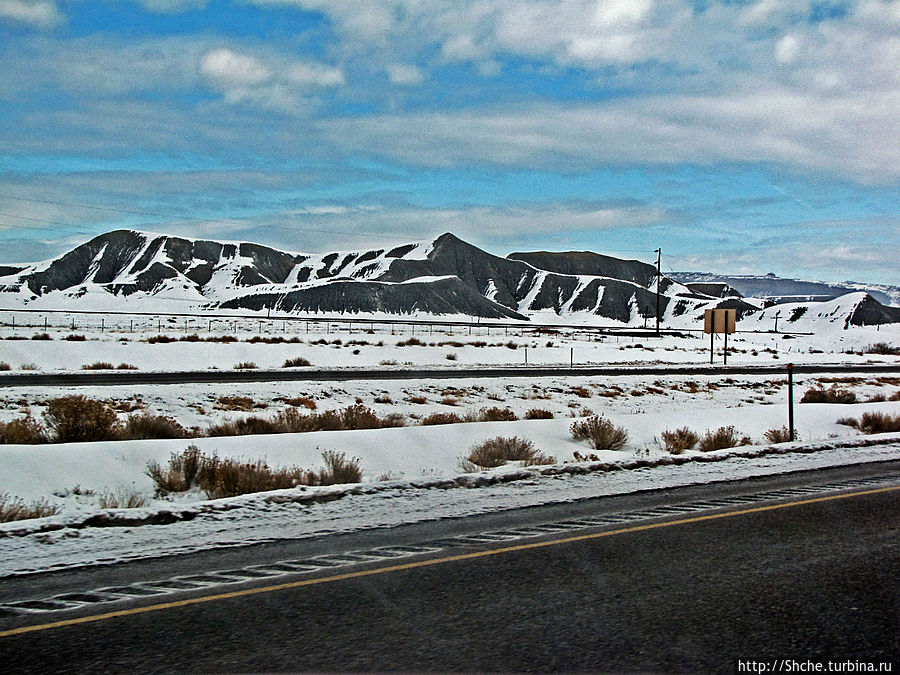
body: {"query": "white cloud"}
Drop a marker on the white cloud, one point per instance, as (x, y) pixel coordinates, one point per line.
(173, 6)
(786, 49)
(315, 74)
(233, 69)
(37, 13)
(404, 74)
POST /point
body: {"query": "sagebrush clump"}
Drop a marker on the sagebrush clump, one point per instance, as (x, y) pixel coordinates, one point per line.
(498, 451)
(75, 418)
(600, 433)
(721, 438)
(228, 477)
(678, 441)
(833, 394)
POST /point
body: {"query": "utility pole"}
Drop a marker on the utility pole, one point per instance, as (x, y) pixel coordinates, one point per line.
(658, 279)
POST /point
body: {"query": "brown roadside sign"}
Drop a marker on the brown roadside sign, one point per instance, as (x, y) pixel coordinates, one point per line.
(719, 320)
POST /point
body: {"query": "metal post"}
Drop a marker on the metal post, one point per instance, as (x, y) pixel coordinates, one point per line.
(790, 370)
(526, 356)
(725, 357)
(712, 336)
(571, 357)
(45, 323)
(101, 324)
(658, 280)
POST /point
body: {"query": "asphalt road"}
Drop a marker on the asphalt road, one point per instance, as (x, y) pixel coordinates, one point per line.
(111, 378)
(813, 577)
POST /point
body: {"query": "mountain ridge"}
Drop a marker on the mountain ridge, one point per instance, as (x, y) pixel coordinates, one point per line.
(442, 276)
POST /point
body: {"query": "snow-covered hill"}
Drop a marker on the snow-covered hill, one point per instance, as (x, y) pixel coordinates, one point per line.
(126, 270)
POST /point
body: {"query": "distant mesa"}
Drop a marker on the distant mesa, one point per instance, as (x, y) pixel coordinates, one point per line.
(126, 270)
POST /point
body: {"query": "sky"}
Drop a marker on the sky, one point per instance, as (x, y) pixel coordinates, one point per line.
(737, 137)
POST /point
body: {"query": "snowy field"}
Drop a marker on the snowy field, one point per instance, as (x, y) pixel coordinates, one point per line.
(403, 466)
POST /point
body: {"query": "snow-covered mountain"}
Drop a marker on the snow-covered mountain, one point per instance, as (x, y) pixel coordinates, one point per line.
(134, 271)
(777, 289)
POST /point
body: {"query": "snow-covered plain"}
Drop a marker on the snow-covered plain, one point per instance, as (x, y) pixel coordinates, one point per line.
(402, 467)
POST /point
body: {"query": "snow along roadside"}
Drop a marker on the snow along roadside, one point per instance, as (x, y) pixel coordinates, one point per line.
(309, 495)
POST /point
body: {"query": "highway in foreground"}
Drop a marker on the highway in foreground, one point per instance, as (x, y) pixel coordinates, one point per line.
(130, 377)
(792, 569)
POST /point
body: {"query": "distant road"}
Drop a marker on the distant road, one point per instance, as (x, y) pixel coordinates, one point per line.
(124, 378)
(809, 577)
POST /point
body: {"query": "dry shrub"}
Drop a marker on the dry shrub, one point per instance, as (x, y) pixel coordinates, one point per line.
(895, 396)
(41, 336)
(878, 423)
(441, 418)
(296, 362)
(244, 426)
(498, 451)
(122, 498)
(161, 339)
(78, 418)
(848, 422)
(450, 357)
(411, 342)
(245, 365)
(418, 400)
(73, 337)
(240, 403)
(496, 414)
(676, 442)
(14, 508)
(883, 348)
(538, 414)
(25, 430)
(833, 394)
(5, 366)
(600, 433)
(449, 400)
(98, 365)
(782, 435)
(126, 366)
(219, 477)
(142, 426)
(359, 417)
(338, 469)
(384, 399)
(581, 392)
(721, 438)
(179, 475)
(300, 401)
(292, 421)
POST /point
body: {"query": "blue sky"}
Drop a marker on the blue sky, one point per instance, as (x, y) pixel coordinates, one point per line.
(739, 137)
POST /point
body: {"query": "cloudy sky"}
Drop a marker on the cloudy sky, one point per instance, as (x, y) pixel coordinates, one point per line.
(739, 137)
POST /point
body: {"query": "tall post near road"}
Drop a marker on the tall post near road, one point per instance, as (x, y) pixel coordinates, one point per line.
(658, 279)
(790, 369)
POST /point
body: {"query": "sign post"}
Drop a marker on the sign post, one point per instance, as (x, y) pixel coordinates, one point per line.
(790, 369)
(719, 321)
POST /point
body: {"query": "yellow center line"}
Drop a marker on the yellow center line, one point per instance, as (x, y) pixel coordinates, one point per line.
(432, 561)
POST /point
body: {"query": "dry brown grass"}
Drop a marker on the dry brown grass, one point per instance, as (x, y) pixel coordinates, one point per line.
(582, 392)
(538, 414)
(782, 435)
(123, 498)
(14, 508)
(238, 403)
(299, 402)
